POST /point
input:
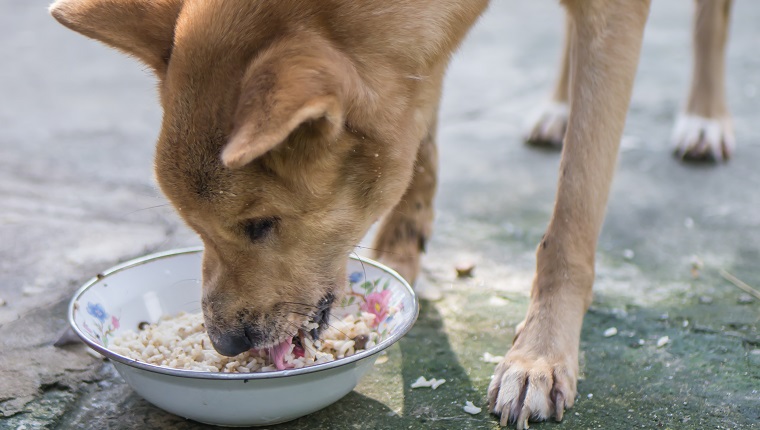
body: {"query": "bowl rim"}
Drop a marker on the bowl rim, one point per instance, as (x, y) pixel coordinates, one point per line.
(193, 374)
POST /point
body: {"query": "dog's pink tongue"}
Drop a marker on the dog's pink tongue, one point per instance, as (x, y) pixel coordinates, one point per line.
(278, 352)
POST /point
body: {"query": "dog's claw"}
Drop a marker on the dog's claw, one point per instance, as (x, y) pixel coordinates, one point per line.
(559, 405)
(524, 389)
(522, 419)
(504, 415)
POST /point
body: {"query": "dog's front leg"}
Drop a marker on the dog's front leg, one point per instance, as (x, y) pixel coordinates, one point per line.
(404, 232)
(537, 377)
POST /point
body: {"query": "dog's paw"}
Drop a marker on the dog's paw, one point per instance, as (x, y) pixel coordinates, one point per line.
(529, 385)
(531, 388)
(697, 138)
(547, 126)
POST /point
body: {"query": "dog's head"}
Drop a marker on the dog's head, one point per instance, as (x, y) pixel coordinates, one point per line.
(273, 148)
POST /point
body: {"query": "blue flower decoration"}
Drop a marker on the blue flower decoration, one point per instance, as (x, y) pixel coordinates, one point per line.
(355, 277)
(96, 310)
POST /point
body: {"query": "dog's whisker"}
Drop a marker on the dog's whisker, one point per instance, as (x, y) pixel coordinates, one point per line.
(149, 207)
(327, 323)
(300, 304)
(302, 314)
(312, 306)
(374, 249)
(339, 330)
(186, 280)
(364, 269)
(297, 334)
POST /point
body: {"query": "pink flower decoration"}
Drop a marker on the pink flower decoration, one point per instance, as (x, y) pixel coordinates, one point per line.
(114, 322)
(377, 303)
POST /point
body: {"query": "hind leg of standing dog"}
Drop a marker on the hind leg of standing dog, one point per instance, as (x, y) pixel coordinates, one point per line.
(547, 127)
(405, 230)
(537, 378)
(703, 132)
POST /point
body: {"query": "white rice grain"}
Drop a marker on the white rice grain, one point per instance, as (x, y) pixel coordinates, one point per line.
(181, 342)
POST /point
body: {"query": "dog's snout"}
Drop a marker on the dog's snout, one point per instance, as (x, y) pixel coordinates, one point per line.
(231, 344)
(255, 335)
(232, 334)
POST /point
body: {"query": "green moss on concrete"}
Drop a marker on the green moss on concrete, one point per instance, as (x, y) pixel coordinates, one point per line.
(42, 413)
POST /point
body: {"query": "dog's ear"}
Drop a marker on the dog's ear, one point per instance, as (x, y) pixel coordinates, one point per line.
(283, 90)
(142, 28)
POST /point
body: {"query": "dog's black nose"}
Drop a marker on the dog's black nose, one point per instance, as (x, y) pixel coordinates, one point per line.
(230, 344)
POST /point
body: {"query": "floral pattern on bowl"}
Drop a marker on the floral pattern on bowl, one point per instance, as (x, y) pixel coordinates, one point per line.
(102, 326)
(373, 296)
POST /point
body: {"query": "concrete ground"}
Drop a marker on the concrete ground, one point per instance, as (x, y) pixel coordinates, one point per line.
(77, 126)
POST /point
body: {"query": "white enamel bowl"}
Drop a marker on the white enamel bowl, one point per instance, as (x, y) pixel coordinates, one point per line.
(147, 288)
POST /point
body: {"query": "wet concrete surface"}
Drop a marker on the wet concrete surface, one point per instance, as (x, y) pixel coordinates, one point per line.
(77, 126)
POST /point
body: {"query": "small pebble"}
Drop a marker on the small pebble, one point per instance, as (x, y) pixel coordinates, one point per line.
(743, 299)
(471, 409)
(465, 269)
(663, 341)
(628, 254)
(612, 331)
(696, 266)
(590, 396)
(31, 290)
(705, 300)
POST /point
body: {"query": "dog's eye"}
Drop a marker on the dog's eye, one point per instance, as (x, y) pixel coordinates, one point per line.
(258, 229)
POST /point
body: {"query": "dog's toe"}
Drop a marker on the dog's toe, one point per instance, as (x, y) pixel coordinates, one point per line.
(524, 390)
(547, 126)
(697, 138)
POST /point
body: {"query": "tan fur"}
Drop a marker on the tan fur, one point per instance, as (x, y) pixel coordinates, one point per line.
(291, 126)
(317, 111)
(606, 41)
(704, 130)
(707, 94)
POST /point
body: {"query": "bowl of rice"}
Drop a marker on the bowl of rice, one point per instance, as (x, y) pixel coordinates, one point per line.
(144, 316)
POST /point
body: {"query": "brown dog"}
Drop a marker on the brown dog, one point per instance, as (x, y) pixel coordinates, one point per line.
(703, 132)
(291, 126)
